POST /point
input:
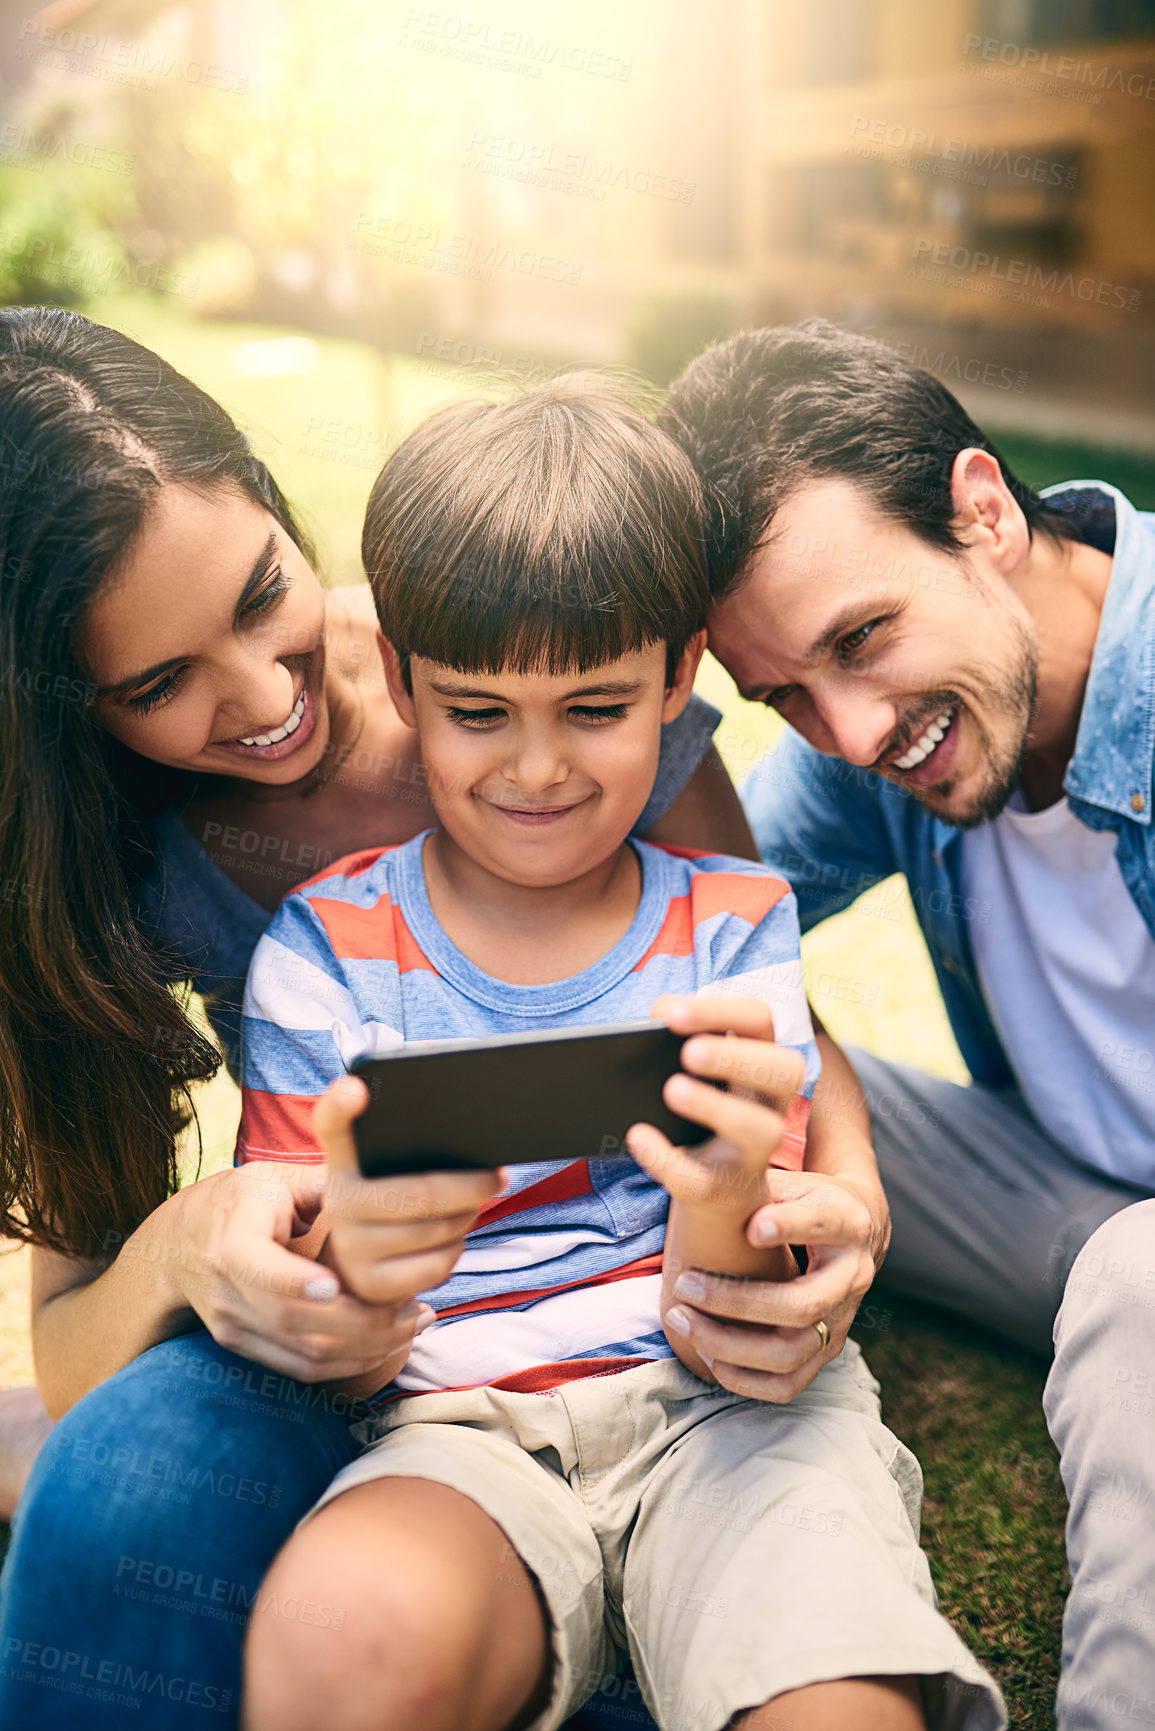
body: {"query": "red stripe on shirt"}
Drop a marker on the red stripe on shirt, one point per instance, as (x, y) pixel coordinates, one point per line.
(573, 1180)
(506, 1300)
(276, 1127)
(676, 937)
(376, 934)
(541, 1377)
(711, 893)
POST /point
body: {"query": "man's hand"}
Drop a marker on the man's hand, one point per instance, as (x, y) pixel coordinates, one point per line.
(758, 1336)
(390, 1238)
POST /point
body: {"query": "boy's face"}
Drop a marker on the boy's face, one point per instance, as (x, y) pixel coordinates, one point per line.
(539, 777)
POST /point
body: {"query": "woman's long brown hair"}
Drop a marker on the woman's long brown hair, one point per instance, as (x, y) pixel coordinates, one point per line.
(97, 1049)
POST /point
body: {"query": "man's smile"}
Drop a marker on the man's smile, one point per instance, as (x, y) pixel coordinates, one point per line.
(930, 755)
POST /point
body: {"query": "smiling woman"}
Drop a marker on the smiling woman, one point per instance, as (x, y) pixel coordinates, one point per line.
(241, 686)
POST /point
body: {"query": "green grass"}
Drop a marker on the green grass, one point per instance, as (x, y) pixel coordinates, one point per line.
(994, 1508)
(967, 1404)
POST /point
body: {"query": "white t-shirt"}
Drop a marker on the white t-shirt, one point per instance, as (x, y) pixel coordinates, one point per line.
(1067, 967)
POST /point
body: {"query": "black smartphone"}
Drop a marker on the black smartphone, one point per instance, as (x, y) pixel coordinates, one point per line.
(449, 1105)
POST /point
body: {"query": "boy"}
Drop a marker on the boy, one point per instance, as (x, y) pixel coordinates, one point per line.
(552, 1475)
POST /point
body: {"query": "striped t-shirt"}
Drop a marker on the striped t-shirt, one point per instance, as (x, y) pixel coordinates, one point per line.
(561, 1275)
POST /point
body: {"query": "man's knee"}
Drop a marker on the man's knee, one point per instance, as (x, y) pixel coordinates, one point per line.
(1112, 1280)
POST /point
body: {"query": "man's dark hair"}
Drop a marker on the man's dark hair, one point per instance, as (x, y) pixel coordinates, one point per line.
(767, 411)
(558, 529)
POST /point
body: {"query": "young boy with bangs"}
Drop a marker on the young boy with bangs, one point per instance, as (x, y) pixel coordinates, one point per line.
(552, 1477)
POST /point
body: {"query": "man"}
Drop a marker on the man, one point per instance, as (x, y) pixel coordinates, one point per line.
(968, 671)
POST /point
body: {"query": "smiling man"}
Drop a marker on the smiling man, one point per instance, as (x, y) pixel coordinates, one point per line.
(968, 671)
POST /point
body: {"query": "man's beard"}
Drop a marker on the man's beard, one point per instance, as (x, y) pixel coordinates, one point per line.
(1016, 696)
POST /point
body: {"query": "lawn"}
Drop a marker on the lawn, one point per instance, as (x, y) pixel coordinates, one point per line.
(322, 412)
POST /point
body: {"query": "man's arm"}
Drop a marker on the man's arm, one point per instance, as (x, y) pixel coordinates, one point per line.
(824, 825)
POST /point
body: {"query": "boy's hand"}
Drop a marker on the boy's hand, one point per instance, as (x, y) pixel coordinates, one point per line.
(390, 1238)
(717, 1186)
(733, 1044)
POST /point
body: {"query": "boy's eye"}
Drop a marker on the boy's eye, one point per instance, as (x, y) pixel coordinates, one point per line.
(599, 712)
(475, 717)
(157, 694)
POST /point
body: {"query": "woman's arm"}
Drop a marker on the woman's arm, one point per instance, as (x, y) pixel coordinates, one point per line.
(707, 814)
(224, 1253)
(89, 1319)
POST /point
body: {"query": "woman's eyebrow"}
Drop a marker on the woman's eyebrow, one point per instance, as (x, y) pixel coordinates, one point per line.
(260, 569)
(144, 678)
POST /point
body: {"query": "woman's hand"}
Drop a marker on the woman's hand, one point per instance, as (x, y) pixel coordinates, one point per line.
(229, 1258)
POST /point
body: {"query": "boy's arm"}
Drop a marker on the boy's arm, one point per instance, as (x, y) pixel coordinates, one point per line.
(840, 1146)
(391, 1238)
(759, 1336)
(715, 1187)
(768, 1066)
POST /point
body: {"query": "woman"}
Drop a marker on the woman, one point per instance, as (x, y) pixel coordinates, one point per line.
(173, 680)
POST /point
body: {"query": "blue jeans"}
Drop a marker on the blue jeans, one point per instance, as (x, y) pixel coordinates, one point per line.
(154, 1510)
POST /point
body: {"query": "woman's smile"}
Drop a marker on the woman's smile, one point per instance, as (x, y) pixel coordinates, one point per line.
(286, 737)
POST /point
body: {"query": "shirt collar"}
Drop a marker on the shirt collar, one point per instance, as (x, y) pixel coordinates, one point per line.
(1115, 743)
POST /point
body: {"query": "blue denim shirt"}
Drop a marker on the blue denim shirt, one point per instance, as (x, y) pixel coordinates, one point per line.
(833, 830)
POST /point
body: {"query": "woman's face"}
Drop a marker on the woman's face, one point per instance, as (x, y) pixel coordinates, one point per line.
(207, 643)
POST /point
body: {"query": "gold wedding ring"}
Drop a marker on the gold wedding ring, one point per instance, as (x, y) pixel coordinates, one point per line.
(823, 1334)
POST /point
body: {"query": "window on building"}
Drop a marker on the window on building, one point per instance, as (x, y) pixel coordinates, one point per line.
(1064, 20)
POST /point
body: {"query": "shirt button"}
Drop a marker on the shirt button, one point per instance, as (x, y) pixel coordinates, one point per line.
(1137, 802)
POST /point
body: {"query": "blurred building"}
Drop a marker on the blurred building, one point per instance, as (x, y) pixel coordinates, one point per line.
(974, 161)
(974, 179)
(533, 181)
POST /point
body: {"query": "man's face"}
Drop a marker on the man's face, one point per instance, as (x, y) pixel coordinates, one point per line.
(882, 650)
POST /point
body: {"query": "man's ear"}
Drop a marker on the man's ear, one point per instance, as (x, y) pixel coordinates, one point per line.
(398, 690)
(678, 691)
(986, 513)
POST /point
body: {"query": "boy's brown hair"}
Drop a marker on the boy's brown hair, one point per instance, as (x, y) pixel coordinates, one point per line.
(558, 529)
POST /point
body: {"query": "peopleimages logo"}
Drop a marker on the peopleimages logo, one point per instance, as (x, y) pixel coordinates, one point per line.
(1021, 274)
(116, 60)
(925, 146)
(1039, 64)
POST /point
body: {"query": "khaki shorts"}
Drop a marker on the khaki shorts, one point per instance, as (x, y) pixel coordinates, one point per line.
(734, 1549)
